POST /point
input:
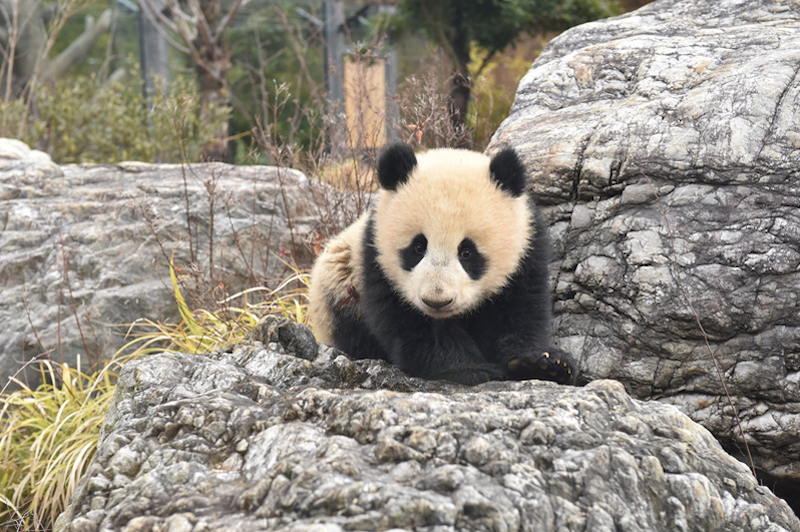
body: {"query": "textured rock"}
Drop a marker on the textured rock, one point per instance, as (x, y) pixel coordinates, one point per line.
(257, 438)
(696, 102)
(82, 228)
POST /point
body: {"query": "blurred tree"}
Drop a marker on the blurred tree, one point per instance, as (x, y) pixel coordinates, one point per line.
(630, 5)
(28, 29)
(200, 25)
(277, 79)
(455, 25)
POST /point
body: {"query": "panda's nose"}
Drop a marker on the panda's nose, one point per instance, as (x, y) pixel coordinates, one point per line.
(437, 304)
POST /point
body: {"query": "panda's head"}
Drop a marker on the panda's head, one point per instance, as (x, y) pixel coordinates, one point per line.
(450, 226)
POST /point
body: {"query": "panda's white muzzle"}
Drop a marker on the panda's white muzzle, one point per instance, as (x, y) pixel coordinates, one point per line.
(438, 282)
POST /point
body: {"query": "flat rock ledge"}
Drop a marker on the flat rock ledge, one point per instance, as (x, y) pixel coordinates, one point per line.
(277, 433)
(85, 249)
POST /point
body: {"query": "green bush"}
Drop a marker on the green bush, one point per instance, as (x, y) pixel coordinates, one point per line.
(86, 120)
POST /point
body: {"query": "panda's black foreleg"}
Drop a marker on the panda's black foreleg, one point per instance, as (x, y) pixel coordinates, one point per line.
(518, 321)
(551, 364)
(443, 350)
(527, 355)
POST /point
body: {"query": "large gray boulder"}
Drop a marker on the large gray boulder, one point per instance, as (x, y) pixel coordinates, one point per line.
(666, 143)
(272, 434)
(79, 258)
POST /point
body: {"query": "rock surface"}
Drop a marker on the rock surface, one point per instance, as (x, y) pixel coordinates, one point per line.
(79, 233)
(274, 435)
(666, 143)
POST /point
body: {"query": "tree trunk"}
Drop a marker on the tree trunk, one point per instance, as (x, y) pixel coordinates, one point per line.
(201, 30)
(213, 95)
(212, 71)
(154, 53)
(460, 90)
(460, 93)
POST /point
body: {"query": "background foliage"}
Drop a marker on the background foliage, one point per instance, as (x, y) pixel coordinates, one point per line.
(116, 123)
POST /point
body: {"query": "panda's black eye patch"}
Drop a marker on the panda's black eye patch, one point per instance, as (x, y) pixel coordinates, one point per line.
(471, 259)
(413, 253)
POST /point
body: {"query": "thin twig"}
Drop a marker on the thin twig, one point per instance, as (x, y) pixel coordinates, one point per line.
(699, 324)
(65, 266)
(30, 321)
(13, 378)
(237, 241)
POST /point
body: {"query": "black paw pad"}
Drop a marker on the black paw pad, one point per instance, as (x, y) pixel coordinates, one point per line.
(550, 365)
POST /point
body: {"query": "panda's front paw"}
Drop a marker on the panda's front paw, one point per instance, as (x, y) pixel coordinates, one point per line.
(549, 365)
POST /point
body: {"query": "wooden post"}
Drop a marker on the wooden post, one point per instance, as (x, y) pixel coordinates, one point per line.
(365, 102)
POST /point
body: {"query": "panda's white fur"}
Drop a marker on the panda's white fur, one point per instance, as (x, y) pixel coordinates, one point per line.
(336, 278)
(430, 309)
(448, 197)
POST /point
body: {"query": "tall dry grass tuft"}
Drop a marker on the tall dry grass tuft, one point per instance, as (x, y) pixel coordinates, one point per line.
(48, 434)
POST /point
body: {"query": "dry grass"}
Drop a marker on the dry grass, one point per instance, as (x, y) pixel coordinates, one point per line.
(48, 435)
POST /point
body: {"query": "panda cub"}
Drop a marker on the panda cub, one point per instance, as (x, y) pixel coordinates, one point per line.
(446, 276)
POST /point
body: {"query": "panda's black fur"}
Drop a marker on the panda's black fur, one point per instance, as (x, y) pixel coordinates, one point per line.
(506, 336)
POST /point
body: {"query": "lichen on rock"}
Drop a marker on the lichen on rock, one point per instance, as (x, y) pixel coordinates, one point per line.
(255, 437)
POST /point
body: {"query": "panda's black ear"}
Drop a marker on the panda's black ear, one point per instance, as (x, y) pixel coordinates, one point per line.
(508, 171)
(395, 165)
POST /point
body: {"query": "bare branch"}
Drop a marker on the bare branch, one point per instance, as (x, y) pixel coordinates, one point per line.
(79, 48)
(62, 13)
(162, 23)
(227, 19)
(180, 15)
(201, 23)
(156, 16)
